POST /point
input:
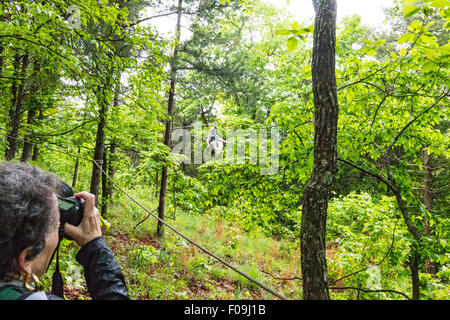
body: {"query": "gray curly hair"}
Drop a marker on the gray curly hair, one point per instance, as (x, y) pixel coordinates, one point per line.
(26, 204)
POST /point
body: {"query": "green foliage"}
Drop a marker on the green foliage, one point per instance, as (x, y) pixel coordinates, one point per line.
(367, 232)
(144, 256)
(243, 65)
(296, 34)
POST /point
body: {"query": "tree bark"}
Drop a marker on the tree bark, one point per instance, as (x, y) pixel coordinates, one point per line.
(104, 206)
(99, 147)
(35, 155)
(430, 267)
(2, 50)
(318, 188)
(168, 131)
(15, 112)
(414, 267)
(75, 171)
(415, 255)
(108, 166)
(111, 170)
(27, 150)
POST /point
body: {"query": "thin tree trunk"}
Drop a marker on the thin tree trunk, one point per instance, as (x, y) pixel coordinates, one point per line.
(99, 147)
(2, 47)
(415, 255)
(414, 267)
(430, 267)
(318, 188)
(75, 171)
(15, 113)
(35, 155)
(111, 170)
(108, 167)
(2, 50)
(170, 107)
(27, 150)
(107, 186)
(156, 183)
(104, 207)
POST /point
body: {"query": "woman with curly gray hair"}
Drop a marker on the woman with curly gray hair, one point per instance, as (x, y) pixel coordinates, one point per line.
(29, 224)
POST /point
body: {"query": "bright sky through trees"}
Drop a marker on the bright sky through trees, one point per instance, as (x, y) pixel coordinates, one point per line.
(370, 10)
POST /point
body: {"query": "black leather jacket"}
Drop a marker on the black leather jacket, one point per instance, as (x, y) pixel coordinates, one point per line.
(104, 278)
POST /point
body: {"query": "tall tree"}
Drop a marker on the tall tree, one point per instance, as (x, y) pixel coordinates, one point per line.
(318, 188)
(17, 91)
(170, 107)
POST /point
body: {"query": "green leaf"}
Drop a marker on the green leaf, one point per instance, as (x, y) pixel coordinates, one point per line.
(365, 50)
(104, 222)
(371, 52)
(306, 68)
(407, 37)
(309, 29)
(440, 3)
(430, 66)
(415, 26)
(306, 71)
(282, 32)
(394, 55)
(409, 11)
(402, 52)
(379, 42)
(429, 39)
(292, 44)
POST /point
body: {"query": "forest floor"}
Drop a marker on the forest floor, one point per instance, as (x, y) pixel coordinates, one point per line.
(169, 268)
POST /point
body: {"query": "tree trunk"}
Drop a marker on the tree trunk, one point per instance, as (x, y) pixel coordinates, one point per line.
(107, 186)
(17, 90)
(414, 267)
(35, 155)
(415, 255)
(318, 188)
(111, 170)
(2, 50)
(168, 132)
(104, 206)
(430, 267)
(99, 148)
(156, 183)
(108, 167)
(27, 150)
(75, 171)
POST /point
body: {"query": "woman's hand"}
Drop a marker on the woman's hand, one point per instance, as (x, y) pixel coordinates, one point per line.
(89, 228)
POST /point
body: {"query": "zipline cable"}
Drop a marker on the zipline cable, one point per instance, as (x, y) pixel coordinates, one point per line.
(263, 286)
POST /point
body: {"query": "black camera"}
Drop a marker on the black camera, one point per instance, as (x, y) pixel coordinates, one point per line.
(71, 209)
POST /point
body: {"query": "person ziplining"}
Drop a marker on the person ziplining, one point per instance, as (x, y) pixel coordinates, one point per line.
(214, 141)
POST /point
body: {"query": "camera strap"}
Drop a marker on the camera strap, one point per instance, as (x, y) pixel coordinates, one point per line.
(57, 280)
